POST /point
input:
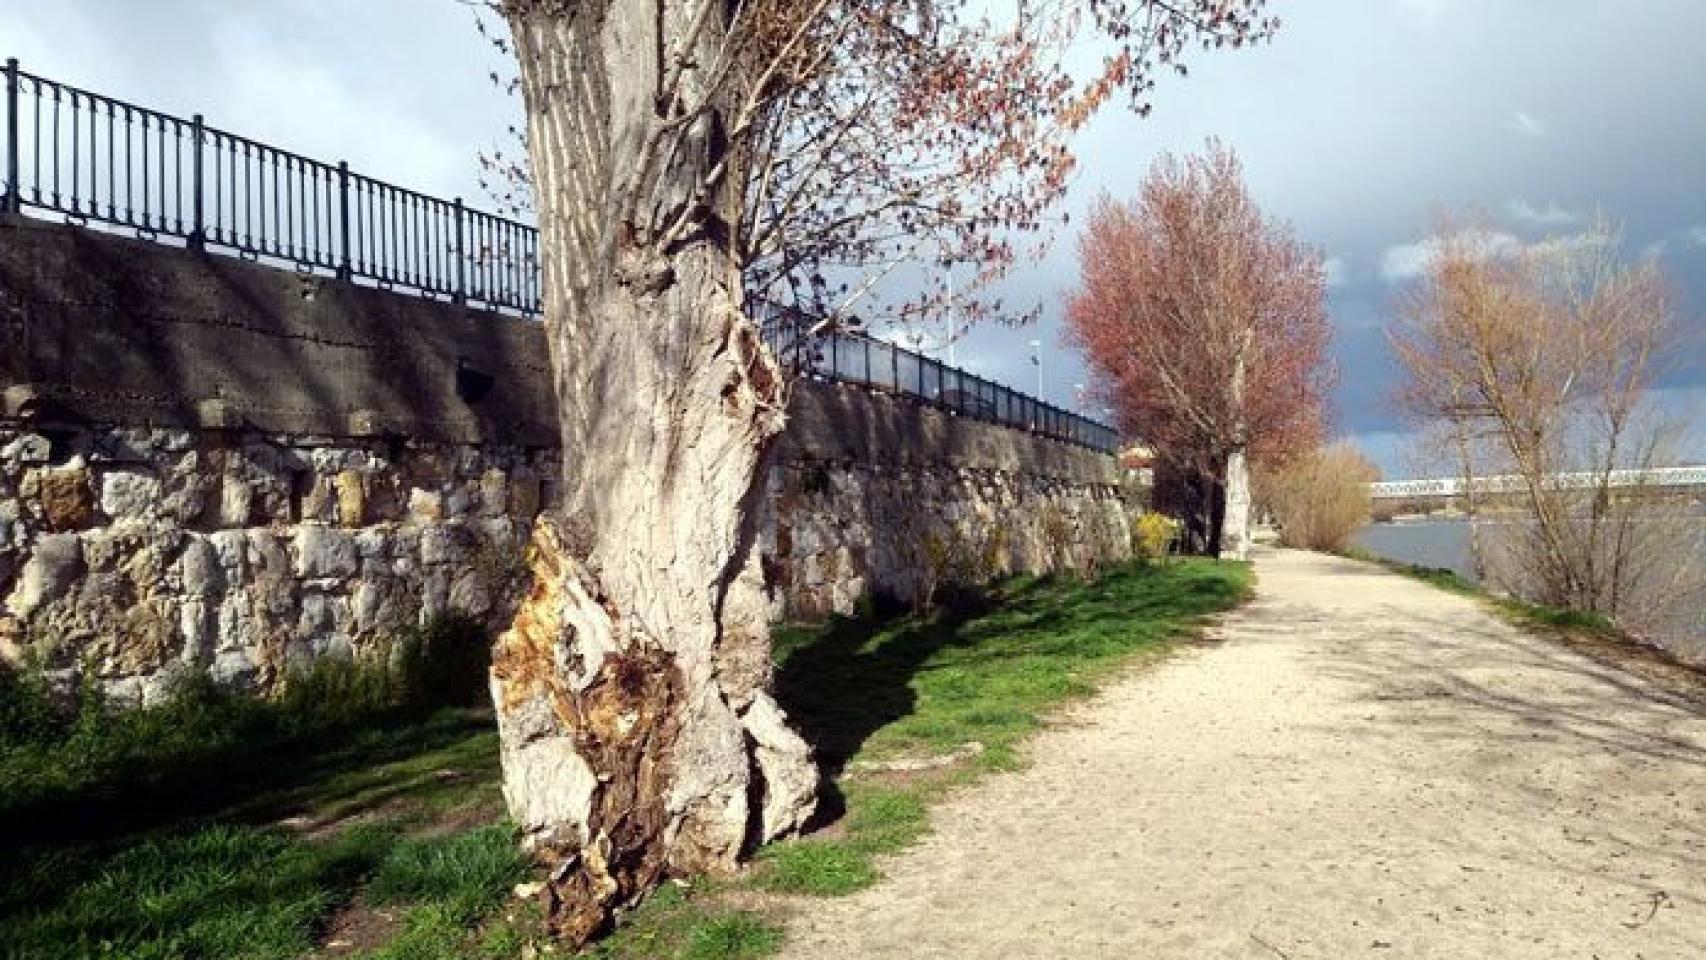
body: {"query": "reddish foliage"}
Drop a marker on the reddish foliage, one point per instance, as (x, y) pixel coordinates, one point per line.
(1182, 287)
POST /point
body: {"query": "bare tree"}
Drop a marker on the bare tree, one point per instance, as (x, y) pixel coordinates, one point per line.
(1320, 497)
(1205, 324)
(683, 154)
(1539, 362)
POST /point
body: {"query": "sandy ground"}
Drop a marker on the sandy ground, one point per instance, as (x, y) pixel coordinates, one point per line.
(1359, 766)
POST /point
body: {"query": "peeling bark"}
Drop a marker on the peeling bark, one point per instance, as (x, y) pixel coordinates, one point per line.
(639, 738)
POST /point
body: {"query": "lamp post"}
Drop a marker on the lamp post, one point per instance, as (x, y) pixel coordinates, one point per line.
(953, 321)
(1037, 359)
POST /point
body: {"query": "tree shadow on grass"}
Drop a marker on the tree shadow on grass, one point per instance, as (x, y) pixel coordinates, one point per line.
(844, 681)
(190, 821)
(237, 780)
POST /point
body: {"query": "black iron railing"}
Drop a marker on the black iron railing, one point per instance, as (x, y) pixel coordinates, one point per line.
(99, 161)
(856, 358)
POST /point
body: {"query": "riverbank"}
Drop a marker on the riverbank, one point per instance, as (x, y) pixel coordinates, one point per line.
(1672, 617)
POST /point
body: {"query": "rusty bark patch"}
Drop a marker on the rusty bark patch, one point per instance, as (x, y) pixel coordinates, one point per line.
(622, 721)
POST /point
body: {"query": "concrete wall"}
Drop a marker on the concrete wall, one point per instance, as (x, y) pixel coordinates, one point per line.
(214, 465)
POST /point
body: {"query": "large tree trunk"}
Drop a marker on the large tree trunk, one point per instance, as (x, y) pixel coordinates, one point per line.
(1235, 523)
(639, 739)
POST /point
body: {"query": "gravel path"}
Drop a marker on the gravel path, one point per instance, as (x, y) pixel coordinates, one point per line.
(1364, 766)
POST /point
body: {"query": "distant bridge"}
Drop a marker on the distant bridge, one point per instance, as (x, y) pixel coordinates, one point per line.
(1670, 478)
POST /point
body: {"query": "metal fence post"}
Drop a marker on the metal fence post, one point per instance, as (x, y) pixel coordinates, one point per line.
(461, 295)
(343, 220)
(12, 202)
(198, 226)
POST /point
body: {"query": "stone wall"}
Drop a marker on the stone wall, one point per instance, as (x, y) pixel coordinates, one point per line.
(207, 464)
(137, 552)
(874, 494)
(835, 533)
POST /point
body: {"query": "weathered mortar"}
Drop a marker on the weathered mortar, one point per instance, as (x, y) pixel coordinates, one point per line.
(225, 466)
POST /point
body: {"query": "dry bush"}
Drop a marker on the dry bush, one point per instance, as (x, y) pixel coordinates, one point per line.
(1540, 360)
(1321, 498)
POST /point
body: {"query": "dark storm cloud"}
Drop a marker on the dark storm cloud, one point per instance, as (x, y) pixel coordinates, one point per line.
(1367, 118)
(1360, 122)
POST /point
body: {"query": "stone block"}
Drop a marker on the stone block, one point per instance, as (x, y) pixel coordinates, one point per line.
(494, 494)
(236, 501)
(27, 448)
(324, 552)
(51, 571)
(198, 622)
(66, 496)
(20, 401)
(234, 668)
(425, 506)
(458, 503)
(446, 543)
(129, 495)
(471, 594)
(352, 498)
(215, 414)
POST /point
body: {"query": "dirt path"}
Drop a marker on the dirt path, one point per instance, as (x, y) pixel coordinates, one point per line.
(1365, 767)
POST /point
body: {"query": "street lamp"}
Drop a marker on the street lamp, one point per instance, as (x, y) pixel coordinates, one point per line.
(1037, 359)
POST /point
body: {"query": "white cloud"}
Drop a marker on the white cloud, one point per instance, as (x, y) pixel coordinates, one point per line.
(1336, 270)
(1529, 125)
(1552, 215)
(1568, 246)
(1697, 236)
(1427, 12)
(1411, 260)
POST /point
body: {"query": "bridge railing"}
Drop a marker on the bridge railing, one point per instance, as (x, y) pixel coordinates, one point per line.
(100, 161)
(1672, 476)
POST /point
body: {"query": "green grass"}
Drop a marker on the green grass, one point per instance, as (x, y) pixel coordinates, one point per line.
(161, 833)
(928, 686)
(1516, 610)
(688, 922)
(92, 772)
(158, 832)
(233, 884)
(463, 874)
(220, 891)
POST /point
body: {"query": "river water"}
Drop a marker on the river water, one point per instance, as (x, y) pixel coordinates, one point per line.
(1678, 624)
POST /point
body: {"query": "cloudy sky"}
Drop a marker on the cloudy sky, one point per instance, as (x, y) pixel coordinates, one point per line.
(1359, 124)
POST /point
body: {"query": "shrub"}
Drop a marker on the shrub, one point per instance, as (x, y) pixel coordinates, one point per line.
(27, 711)
(952, 566)
(1152, 534)
(444, 661)
(1321, 498)
(60, 744)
